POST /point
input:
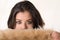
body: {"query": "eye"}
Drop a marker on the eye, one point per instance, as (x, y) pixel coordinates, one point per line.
(18, 22)
(30, 22)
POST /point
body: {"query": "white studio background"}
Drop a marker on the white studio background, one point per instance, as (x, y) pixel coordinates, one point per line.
(49, 10)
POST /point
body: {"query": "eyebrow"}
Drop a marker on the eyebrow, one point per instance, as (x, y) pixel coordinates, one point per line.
(19, 19)
(29, 19)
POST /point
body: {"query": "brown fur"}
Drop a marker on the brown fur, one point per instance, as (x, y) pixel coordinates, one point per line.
(28, 34)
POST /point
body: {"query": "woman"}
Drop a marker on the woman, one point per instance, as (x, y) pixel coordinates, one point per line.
(24, 15)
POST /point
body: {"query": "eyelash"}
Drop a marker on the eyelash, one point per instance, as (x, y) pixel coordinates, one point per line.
(18, 22)
(29, 22)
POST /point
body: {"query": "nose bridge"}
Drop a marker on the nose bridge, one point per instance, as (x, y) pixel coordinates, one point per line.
(24, 25)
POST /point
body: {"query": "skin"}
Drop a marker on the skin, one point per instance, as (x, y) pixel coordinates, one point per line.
(24, 20)
(56, 36)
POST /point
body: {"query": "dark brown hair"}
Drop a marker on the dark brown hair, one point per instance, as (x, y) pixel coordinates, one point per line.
(23, 6)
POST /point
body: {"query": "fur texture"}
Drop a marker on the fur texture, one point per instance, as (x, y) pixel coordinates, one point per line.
(28, 34)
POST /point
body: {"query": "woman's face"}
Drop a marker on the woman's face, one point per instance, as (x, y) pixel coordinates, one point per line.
(24, 20)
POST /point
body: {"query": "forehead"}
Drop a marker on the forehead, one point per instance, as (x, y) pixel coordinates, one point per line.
(23, 15)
